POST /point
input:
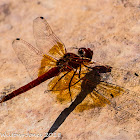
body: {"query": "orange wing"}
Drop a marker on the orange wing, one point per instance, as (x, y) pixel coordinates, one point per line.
(33, 59)
(36, 61)
(100, 96)
(101, 93)
(59, 85)
(107, 88)
(46, 39)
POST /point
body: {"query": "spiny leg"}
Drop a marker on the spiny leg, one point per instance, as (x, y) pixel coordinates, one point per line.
(79, 71)
(59, 80)
(70, 83)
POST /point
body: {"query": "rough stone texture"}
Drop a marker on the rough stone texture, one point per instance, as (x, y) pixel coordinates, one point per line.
(113, 27)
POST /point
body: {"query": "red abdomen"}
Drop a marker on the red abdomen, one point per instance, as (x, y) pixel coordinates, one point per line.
(51, 73)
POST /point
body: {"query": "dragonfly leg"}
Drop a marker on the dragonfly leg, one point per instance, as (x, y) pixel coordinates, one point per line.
(59, 80)
(79, 72)
(70, 83)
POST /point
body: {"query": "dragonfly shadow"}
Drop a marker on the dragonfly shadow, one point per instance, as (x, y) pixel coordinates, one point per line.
(86, 87)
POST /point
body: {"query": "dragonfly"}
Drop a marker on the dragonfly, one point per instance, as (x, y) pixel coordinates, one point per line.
(50, 59)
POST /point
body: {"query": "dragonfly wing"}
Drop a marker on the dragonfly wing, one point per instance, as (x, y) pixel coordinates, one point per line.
(92, 100)
(109, 90)
(101, 95)
(126, 105)
(102, 92)
(59, 86)
(33, 59)
(46, 39)
(127, 79)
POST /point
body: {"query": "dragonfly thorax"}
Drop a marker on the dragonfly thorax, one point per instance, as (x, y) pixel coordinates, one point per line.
(69, 61)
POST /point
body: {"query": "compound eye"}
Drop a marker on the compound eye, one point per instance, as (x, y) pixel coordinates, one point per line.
(81, 52)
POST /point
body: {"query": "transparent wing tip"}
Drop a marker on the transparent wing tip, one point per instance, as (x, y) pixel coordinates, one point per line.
(42, 17)
(17, 39)
(38, 18)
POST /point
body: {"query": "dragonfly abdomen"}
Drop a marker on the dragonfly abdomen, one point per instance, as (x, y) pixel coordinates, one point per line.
(51, 73)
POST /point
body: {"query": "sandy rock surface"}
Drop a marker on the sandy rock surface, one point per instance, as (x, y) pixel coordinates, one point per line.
(111, 28)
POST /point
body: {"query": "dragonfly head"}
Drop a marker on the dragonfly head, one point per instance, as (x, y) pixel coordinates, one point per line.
(85, 52)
